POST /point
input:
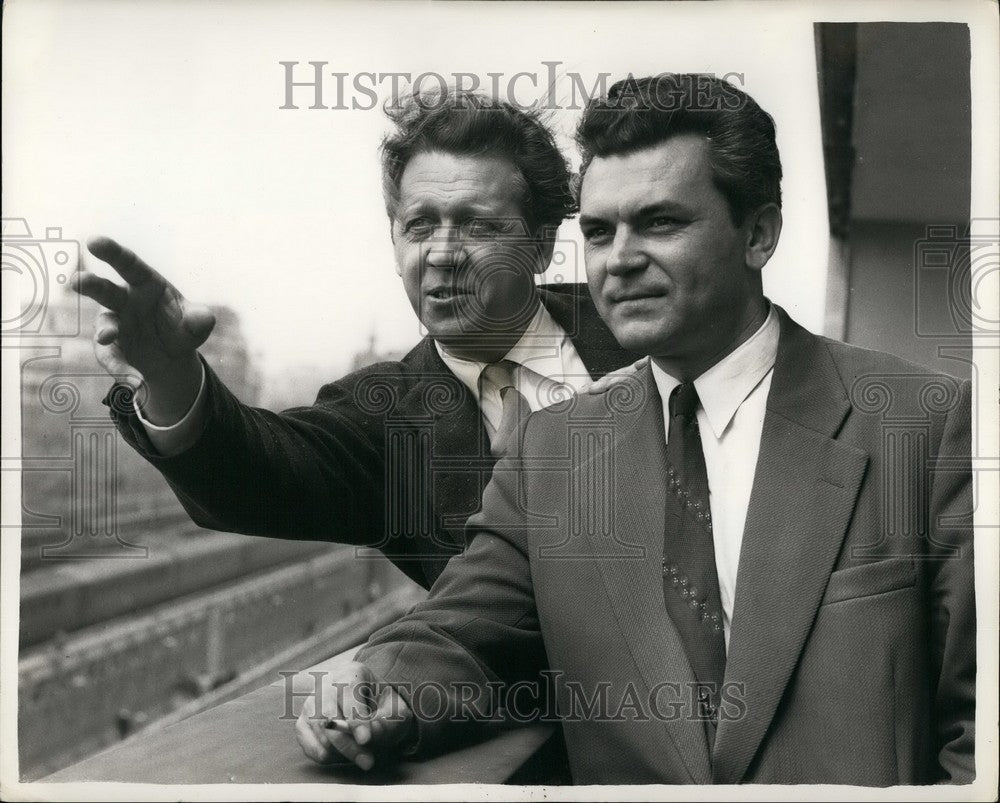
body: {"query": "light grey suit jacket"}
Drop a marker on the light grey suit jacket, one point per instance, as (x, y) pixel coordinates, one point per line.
(852, 652)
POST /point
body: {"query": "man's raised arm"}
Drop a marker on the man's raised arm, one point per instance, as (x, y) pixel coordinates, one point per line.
(311, 473)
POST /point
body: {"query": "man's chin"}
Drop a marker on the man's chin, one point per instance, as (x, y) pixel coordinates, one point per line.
(457, 339)
(451, 332)
(639, 339)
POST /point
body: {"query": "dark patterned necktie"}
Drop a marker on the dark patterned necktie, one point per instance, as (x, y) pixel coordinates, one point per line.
(690, 579)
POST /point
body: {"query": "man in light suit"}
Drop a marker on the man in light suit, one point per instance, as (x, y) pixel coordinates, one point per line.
(750, 562)
(394, 456)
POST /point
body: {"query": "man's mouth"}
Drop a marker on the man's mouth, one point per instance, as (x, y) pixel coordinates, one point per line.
(634, 295)
(445, 293)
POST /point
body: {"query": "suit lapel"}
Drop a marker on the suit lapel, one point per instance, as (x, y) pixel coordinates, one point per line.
(804, 491)
(449, 459)
(631, 563)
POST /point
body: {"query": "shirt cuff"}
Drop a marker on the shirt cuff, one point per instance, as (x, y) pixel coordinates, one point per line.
(171, 440)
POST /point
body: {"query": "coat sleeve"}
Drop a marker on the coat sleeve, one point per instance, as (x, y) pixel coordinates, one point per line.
(310, 473)
(469, 656)
(953, 603)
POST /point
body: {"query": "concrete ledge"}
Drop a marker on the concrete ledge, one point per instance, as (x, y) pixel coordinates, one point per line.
(66, 595)
(252, 740)
(130, 674)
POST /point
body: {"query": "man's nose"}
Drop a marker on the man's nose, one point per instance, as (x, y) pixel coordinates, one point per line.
(447, 249)
(625, 255)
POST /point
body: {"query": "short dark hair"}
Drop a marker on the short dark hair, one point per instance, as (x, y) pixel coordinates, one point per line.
(469, 123)
(639, 113)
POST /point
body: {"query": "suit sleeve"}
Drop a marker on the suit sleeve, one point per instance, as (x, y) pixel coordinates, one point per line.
(308, 473)
(952, 588)
(460, 654)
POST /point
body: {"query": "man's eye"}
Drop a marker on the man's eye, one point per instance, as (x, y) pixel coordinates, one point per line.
(483, 227)
(595, 234)
(664, 222)
(418, 227)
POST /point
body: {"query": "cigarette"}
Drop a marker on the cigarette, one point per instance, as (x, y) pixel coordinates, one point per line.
(337, 725)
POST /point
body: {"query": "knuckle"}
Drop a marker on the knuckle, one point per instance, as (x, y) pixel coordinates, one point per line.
(343, 747)
(320, 738)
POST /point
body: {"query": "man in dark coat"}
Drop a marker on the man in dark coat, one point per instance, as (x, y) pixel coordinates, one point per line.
(394, 456)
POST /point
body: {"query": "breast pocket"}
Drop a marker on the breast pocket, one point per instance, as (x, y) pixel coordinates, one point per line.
(870, 579)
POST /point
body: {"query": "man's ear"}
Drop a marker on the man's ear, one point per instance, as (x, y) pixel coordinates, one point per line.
(763, 230)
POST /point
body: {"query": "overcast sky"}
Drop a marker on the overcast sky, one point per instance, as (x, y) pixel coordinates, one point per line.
(159, 124)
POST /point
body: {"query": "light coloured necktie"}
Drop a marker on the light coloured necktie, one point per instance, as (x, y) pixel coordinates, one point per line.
(515, 408)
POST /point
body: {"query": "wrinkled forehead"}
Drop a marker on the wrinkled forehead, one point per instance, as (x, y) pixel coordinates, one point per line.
(484, 183)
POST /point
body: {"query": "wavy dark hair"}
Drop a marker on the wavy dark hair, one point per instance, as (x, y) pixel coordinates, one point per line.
(467, 123)
(639, 113)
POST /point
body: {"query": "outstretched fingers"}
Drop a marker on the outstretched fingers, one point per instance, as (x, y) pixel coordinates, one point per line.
(105, 292)
(124, 261)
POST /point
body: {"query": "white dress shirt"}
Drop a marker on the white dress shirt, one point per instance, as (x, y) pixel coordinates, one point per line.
(549, 370)
(733, 397)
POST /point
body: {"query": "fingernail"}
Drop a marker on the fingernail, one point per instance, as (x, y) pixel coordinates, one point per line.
(362, 734)
(365, 761)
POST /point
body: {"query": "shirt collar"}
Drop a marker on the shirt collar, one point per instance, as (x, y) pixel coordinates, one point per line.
(726, 385)
(534, 350)
(540, 347)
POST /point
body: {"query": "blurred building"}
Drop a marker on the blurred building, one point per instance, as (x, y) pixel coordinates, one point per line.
(80, 485)
(228, 353)
(294, 386)
(131, 614)
(373, 354)
(298, 385)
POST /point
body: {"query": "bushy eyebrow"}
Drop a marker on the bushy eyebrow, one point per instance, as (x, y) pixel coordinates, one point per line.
(661, 207)
(464, 209)
(590, 220)
(647, 210)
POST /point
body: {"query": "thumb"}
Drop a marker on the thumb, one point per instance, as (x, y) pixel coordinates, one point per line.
(393, 725)
(113, 360)
(198, 322)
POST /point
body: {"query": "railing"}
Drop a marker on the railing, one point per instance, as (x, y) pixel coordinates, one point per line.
(125, 675)
(66, 596)
(252, 740)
